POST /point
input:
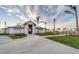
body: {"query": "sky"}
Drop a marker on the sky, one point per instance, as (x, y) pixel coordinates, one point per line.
(13, 14)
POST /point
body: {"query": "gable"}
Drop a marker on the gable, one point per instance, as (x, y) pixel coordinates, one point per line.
(29, 22)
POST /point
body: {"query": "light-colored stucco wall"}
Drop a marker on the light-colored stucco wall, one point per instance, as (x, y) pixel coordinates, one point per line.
(40, 30)
(12, 31)
(15, 31)
(1, 31)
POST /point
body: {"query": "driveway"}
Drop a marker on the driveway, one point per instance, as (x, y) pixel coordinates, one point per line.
(5, 40)
(33, 44)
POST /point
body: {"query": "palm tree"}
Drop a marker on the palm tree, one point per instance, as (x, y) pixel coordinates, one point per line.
(74, 12)
(18, 26)
(38, 22)
(5, 27)
(54, 21)
(45, 26)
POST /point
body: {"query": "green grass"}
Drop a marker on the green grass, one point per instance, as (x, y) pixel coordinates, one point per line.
(45, 34)
(17, 36)
(72, 41)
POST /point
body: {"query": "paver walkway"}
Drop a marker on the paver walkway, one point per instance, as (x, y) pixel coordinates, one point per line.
(36, 44)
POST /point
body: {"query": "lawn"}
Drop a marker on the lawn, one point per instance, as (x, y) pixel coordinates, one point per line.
(17, 36)
(72, 41)
(45, 34)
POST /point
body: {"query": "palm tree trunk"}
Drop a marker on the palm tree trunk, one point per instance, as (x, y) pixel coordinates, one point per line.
(38, 27)
(54, 25)
(5, 28)
(77, 29)
(38, 23)
(45, 26)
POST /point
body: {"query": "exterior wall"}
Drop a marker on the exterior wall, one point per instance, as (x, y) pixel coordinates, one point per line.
(33, 29)
(7, 30)
(15, 31)
(12, 31)
(19, 31)
(1, 31)
(40, 30)
(25, 29)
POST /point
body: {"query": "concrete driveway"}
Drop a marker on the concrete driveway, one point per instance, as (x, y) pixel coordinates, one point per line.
(33, 44)
(5, 40)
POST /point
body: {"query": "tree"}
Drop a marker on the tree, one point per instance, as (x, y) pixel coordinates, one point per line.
(19, 27)
(74, 12)
(38, 22)
(45, 26)
(54, 21)
(5, 27)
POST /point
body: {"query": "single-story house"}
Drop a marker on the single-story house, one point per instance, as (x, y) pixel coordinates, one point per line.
(27, 28)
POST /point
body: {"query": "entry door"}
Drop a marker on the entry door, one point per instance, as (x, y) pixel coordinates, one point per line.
(29, 29)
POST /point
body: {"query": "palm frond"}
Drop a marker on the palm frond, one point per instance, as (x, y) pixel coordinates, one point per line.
(37, 19)
(72, 7)
(69, 12)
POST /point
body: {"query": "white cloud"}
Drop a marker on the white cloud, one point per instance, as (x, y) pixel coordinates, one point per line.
(58, 11)
(9, 14)
(68, 24)
(10, 10)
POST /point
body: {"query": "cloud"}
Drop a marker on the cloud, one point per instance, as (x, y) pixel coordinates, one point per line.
(68, 24)
(9, 14)
(58, 11)
(10, 10)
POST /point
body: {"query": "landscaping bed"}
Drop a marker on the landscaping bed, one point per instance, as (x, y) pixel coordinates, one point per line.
(4, 33)
(72, 41)
(17, 36)
(45, 34)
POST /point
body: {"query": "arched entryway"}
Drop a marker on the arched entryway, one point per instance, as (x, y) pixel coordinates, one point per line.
(30, 29)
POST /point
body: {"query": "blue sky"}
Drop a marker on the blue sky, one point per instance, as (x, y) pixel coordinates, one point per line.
(14, 14)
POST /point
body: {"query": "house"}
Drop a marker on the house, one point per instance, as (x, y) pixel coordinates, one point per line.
(27, 28)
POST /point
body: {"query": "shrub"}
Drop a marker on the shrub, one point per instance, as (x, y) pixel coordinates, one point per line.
(20, 34)
(4, 33)
(17, 36)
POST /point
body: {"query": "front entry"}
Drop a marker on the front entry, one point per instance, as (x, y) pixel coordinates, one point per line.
(29, 29)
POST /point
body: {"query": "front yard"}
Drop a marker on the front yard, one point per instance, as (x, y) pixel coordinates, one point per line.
(72, 41)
